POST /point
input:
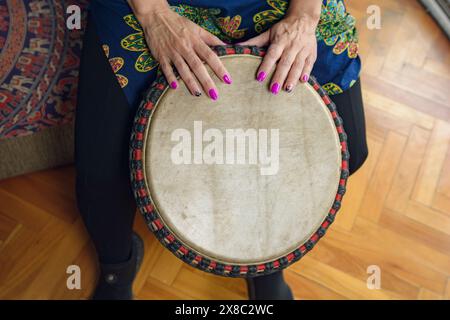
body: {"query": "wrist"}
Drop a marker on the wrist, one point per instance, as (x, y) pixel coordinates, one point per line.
(307, 11)
(147, 10)
(311, 20)
(302, 23)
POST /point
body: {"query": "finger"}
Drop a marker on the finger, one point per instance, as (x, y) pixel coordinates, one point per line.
(307, 68)
(167, 70)
(210, 39)
(273, 54)
(282, 69)
(260, 40)
(211, 58)
(198, 68)
(295, 72)
(186, 75)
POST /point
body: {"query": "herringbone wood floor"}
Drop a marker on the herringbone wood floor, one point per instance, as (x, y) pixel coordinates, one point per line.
(396, 213)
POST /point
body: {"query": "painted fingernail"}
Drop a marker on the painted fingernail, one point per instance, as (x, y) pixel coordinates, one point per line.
(305, 78)
(289, 87)
(173, 85)
(275, 88)
(227, 79)
(261, 76)
(213, 94)
(197, 93)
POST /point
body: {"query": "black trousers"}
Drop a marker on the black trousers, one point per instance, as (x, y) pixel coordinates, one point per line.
(102, 131)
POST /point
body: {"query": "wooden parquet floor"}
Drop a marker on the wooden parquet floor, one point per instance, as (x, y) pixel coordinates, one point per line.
(396, 213)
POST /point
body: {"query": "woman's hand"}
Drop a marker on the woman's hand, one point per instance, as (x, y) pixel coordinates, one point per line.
(292, 43)
(173, 39)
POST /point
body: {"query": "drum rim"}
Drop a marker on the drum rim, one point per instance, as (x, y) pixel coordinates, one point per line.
(156, 223)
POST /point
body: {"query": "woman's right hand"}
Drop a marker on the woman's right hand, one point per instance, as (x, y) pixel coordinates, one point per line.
(175, 40)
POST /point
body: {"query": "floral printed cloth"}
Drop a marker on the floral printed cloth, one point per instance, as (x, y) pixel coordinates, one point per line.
(337, 66)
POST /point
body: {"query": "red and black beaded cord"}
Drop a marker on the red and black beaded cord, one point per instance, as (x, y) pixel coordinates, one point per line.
(168, 239)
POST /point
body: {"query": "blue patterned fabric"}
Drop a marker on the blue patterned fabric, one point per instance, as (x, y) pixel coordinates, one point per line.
(337, 66)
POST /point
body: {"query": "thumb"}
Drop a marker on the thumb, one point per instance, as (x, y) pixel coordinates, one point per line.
(210, 39)
(259, 41)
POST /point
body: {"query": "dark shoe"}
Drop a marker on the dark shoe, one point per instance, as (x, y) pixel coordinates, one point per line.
(116, 280)
(269, 287)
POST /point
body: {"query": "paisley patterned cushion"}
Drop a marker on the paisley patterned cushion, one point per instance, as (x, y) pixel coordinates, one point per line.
(39, 65)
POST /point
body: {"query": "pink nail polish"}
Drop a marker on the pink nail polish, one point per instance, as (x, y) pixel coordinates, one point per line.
(213, 94)
(261, 76)
(275, 88)
(227, 79)
(305, 78)
(173, 85)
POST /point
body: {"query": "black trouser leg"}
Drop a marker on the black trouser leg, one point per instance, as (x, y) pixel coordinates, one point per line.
(269, 287)
(350, 107)
(102, 132)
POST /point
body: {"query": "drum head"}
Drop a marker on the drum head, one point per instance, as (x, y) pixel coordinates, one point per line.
(247, 180)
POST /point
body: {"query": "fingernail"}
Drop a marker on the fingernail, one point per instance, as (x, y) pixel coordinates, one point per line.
(275, 88)
(289, 87)
(213, 94)
(197, 93)
(261, 76)
(173, 85)
(227, 79)
(305, 78)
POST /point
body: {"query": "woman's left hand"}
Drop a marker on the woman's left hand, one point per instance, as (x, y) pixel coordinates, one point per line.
(292, 43)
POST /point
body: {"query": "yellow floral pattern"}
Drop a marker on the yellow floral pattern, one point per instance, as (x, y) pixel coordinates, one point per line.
(265, 19)
(116, 64)
(332, 88)
(136, 42)
(230, 26)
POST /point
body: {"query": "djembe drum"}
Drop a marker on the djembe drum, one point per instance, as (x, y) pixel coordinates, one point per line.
(245, 185)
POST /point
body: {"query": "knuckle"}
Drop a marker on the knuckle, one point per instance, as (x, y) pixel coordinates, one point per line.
(179, 62)
(297, 64)
(309, 61)
(274, 51)
(292, 78)
(183, 47)
(190, 82)
(272, 55)
(196, 64)
(303, 55)
(209, 55)
(189, 57)
(302, 62)
(157, 54)
(285, 62)
(185, 34)
(182, 68)
(165, 65)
